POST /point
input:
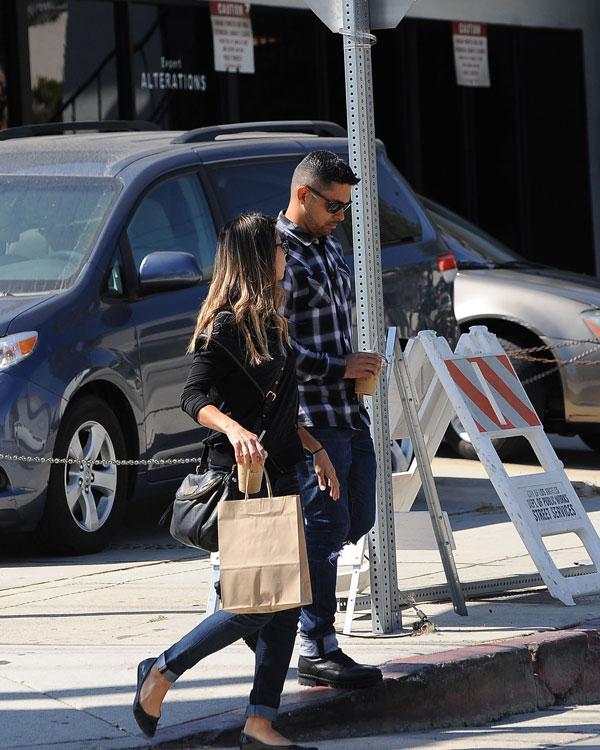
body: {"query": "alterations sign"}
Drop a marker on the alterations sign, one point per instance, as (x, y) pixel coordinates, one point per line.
(233, 40)
(471, 54)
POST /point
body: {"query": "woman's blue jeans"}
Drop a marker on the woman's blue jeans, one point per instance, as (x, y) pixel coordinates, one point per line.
(274, 634)
(328, 525)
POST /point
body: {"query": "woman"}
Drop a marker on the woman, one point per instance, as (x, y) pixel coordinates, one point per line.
(240, 317)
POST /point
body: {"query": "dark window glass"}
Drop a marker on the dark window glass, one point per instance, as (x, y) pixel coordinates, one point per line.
(398, 221)
(73, 71)
(173, 71)
(174, 216)
(263, 187)
(4, 31)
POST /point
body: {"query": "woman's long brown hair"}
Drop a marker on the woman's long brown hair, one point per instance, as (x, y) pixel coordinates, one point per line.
(244, 283)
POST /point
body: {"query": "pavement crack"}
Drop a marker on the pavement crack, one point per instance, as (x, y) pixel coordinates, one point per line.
(191, 558)
(69, 706)
(100, 587)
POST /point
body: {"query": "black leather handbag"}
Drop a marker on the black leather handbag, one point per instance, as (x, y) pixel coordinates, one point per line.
(195, 508)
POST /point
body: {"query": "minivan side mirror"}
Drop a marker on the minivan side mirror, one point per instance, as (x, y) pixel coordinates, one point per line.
(168, 270)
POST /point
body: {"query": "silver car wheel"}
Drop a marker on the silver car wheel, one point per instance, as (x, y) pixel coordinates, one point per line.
(90, 490)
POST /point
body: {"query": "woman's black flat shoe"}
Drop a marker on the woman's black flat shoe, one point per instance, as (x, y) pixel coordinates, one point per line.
(145, 722)
(250, 743)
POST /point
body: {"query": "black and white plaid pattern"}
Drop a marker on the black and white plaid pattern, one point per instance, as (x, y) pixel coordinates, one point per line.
(319, 312)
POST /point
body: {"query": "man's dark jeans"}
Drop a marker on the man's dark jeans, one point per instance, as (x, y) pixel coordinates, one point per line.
(273, 637)
(329, 524)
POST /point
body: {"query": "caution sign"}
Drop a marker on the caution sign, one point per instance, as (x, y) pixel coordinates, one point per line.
(549, 503)
(493, 393)
(233, 40)
(471, 54)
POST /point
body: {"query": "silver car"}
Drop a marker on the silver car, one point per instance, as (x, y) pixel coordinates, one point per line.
(529, 305)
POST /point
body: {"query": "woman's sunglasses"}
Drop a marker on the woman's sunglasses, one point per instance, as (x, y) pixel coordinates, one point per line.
(333, 207)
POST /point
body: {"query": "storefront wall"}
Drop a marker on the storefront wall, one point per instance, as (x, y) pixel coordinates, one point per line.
(581, 16)
(74, 75)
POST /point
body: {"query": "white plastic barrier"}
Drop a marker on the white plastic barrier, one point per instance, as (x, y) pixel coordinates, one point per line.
(487, 396)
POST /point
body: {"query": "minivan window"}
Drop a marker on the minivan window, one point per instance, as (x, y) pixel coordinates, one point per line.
(263, 187)
(48, 227)
(174, 216)
(398, 221)
(252, 186)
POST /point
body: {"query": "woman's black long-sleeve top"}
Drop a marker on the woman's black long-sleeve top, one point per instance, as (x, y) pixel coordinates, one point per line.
(215, 378)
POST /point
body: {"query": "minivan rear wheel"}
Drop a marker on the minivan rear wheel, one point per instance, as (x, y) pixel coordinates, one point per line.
(507, 448)
(85, 504)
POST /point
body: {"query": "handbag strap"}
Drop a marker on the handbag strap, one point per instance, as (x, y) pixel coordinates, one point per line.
(270, 396)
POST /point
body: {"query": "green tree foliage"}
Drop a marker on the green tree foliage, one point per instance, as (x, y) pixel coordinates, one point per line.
(46, 98)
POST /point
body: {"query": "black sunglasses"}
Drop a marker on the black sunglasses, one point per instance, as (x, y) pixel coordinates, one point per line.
(333, 207)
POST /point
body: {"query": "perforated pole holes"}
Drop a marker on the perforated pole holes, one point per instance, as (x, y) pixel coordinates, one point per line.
(357, 41)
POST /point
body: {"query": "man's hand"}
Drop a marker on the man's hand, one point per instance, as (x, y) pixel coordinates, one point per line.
(362, 365)
(326, 475)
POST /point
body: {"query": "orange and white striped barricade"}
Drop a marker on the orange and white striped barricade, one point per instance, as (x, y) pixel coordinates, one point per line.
(488, 398)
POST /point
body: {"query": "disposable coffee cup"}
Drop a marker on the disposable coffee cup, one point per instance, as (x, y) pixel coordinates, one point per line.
(368, 385)
(250, 477)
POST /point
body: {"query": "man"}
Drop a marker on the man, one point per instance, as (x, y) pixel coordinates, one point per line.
(319, 310)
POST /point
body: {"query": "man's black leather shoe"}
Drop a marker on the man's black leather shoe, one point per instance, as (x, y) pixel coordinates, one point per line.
(336, 670)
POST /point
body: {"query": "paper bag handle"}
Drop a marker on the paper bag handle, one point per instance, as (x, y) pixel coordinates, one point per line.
(269, 488)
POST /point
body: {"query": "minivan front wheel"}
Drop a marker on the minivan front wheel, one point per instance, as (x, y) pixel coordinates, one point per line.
(85, 503)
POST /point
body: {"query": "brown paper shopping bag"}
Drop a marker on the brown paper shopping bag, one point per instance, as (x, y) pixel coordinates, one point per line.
(263, 560)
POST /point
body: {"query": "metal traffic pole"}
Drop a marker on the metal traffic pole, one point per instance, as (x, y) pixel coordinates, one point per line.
(386, 613)
(353, 18)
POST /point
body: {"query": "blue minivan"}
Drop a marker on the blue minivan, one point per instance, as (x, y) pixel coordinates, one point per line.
(106, 250)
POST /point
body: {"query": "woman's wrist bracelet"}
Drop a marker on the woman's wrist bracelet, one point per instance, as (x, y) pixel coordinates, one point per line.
(314, 453)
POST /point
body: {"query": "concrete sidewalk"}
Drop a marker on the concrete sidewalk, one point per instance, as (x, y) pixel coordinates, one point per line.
(73, 632)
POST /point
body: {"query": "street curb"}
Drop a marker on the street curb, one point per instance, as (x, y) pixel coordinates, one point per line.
(467, 686)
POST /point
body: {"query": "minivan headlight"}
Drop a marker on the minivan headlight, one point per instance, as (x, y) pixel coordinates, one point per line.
(16, 347)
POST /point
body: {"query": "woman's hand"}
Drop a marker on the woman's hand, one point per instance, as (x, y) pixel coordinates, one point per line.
(326, 474)
(247, 448)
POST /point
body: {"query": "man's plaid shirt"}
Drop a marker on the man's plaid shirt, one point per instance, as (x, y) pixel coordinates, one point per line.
(319, 312)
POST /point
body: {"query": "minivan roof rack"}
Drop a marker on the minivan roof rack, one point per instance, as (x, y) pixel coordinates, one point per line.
(311, 127)
(58, 128)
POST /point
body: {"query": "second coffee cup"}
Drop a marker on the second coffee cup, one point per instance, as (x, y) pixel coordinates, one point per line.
(368, 385)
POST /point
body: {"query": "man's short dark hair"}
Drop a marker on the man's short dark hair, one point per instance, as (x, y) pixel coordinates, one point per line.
(323, 168)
